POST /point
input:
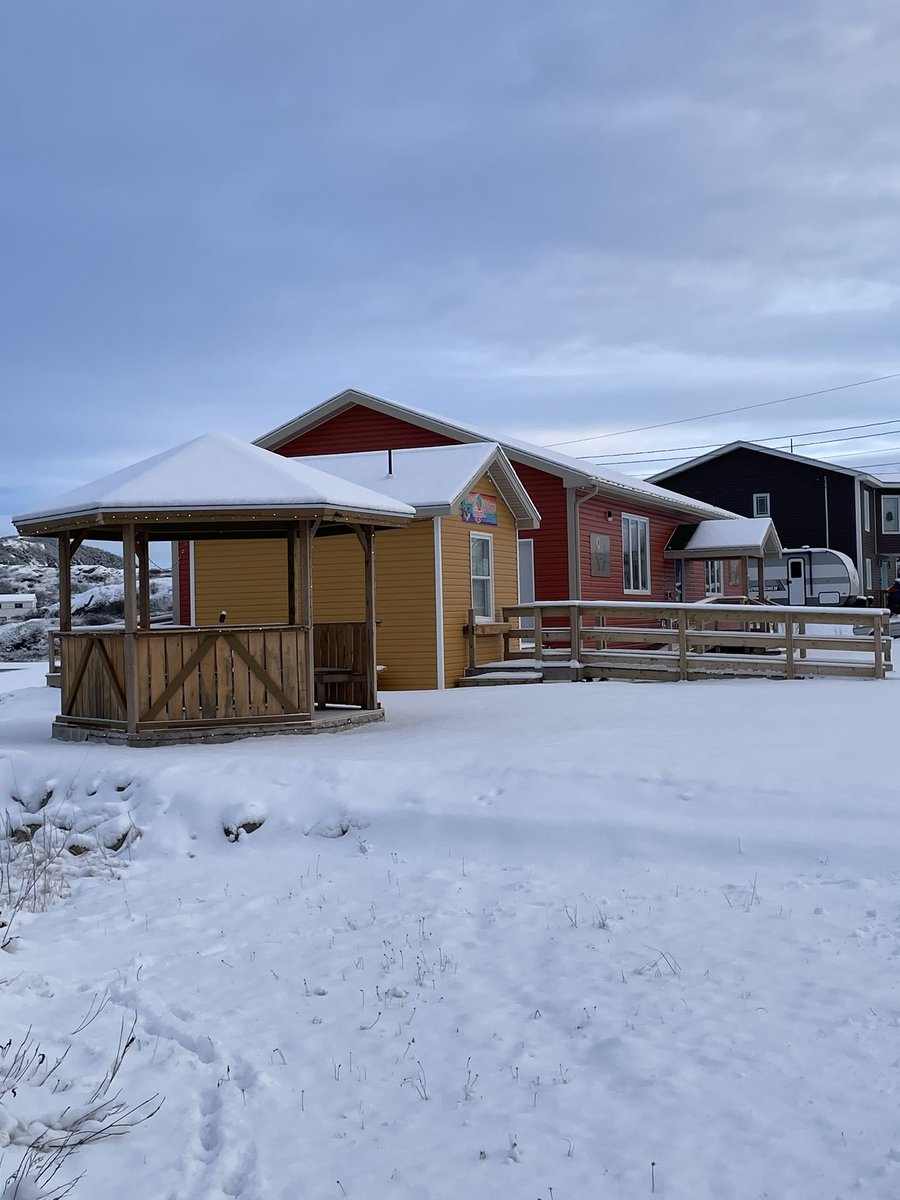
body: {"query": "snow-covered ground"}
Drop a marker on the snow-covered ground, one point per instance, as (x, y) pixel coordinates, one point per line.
(513, 943)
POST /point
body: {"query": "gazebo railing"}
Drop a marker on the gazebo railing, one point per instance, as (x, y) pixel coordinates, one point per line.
(230, 674)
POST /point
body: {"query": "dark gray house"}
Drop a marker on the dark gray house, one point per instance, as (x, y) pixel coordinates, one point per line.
(812, 503)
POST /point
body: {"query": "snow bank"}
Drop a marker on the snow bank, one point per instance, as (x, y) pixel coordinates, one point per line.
(511, 940)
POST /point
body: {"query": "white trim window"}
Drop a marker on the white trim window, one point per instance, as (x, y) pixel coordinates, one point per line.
(868, 574)
(635, 554)
(715, 580)
(761, 505)
(867, 510)
(890, 514)
(481, 559)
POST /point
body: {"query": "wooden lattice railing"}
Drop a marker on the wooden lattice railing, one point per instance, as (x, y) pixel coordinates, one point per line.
(187, 677)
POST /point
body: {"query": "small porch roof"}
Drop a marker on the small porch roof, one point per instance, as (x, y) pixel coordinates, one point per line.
(433, 479)
(738, 537)
(214, 477)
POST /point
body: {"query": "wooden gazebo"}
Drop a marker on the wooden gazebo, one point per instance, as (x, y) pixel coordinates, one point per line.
(151, 686)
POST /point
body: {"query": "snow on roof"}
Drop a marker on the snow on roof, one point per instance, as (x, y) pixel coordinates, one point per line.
(216, 471)
(18, 598)
(430, 478)
(577, 472)
(754, 537)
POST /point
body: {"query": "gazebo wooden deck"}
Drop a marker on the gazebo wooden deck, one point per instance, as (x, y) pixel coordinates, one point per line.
(149, 686)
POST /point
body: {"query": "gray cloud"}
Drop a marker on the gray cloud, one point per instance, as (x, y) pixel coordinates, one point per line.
(552, 219)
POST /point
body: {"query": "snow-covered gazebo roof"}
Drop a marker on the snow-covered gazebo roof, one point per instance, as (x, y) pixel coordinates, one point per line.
(213, 477)
(738, 537)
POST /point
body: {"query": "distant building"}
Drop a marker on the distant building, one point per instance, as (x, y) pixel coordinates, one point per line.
(17, 606)
(812, 503)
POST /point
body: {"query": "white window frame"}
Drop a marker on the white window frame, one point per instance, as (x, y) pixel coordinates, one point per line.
(762, 504)
(867, 510)
(485, 537)
(868, 574)
(641, 526)
(715, 577)
(894, 501)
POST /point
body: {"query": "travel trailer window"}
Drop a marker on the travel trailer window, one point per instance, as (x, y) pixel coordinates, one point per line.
(761, 504)
(635, 554)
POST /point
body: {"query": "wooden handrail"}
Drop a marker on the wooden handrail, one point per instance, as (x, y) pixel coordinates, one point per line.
(689, 633)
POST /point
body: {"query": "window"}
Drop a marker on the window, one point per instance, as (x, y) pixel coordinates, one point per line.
(481, 555)
(867, 509)
(890, 514)
(868, 574)
(761, 506)
(734, 573)
(635, 554)
(714, 582)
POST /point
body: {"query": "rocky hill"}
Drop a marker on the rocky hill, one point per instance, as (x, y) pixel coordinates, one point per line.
(44, 552)
(32, 565)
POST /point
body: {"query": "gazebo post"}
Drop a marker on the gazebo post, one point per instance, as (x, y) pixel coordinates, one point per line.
(368, 541)
(761, 579)
(143, 556)
(131, 615)
(65, 582)
(745, 576)
(303, 603)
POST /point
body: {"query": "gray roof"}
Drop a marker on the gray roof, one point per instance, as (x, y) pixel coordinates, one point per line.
(573, 471)
(798, 458)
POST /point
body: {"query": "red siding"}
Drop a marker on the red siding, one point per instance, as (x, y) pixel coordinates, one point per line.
(358, 428)
(551, 562)
(593, 519)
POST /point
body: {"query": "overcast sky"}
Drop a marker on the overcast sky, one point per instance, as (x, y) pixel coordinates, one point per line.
(549, 219)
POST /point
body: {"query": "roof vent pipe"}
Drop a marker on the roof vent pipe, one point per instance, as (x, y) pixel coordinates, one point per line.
(390, 463)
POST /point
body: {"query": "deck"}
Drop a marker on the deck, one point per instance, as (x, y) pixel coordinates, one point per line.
(639, 640)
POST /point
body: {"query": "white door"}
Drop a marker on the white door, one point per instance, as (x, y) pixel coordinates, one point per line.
(796, 581)
(526, 578)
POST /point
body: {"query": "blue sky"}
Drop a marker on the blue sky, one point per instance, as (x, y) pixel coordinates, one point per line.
(550, 219)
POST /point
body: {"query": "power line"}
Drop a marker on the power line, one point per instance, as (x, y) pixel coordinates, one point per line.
(788, 444)
(725, 412)
(780, 437)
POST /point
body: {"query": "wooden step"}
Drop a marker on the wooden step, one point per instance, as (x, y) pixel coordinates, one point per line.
(500, 678)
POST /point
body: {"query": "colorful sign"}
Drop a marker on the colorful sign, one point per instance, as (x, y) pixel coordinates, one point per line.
(479, 509)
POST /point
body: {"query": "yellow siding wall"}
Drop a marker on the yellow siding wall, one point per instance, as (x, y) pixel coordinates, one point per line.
(458, 582)
(248, 578)
(404, 598)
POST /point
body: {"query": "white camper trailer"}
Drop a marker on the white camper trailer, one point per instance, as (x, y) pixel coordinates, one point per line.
(811, 575)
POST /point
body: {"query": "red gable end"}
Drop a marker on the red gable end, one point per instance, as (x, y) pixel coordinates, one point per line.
(355, 429)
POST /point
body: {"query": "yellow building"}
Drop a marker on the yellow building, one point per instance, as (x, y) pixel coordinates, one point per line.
(458, 555)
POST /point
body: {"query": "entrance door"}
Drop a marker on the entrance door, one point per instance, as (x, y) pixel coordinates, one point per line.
(526, 578)
(796, 581)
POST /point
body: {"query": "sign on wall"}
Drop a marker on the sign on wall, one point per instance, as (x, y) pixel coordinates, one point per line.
(479, 509)
(600, 554)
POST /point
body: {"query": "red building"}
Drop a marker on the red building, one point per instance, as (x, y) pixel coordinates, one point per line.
(602, 534)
